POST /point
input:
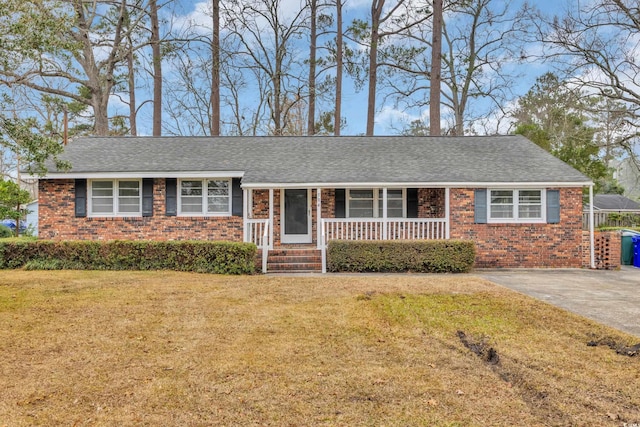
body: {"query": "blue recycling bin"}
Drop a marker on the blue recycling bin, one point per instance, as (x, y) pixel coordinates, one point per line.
(636, 251)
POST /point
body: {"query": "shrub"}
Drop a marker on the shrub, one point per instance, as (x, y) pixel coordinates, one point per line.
(5, 232)
(197, 256)
(423, 256)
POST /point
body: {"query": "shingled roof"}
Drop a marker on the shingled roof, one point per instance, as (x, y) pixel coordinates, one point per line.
(614, 202)
(322, 161)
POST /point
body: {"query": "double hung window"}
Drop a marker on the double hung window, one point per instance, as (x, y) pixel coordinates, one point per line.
(516, 206)
(205, 197)
(115, 198)
(368, 203)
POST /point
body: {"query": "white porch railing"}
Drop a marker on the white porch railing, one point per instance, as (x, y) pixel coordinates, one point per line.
(380, 229)
(257, 232)
(254, 230)
(384, 229)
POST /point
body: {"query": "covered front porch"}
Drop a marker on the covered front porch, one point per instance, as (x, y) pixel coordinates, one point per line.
(281, 218)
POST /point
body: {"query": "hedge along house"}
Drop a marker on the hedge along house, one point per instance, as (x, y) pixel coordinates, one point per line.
(291, 195)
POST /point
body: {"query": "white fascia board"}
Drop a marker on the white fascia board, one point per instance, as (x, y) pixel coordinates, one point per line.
(121, 175)
(267, 185)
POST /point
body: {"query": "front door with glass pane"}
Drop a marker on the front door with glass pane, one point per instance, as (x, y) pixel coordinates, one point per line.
(296, 216)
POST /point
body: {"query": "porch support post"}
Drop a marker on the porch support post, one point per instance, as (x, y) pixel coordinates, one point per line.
(245, 215)
(592, 252)
(385, 224)
(271, 224)
(447, 215)
(318, 217)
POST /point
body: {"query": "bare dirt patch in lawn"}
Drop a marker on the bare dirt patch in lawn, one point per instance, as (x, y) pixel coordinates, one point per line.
(164, 348)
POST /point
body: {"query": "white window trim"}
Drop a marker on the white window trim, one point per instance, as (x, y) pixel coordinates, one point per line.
(115, 197)
(377, 200)
(205, 195)
(516, 198)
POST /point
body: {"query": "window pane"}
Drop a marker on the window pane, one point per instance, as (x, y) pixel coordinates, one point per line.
(191, 188)
(525, 211)
(361, 203)
(530, 197)
(361, 212)
(218, 205)
(102, 189)
(505, 211)
(104, 205)
(501, 204)
(128, 205)
(530, 204)
(394, 208)
(361, 194)
(128, 188)
(395, 203)
(501, 197)
(190, 204)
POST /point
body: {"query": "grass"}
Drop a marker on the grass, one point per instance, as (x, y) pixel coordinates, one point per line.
(87, 348)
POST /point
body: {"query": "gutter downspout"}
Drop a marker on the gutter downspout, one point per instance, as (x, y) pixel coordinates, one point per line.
(592, 253)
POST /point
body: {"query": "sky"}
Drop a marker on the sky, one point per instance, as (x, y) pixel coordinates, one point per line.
(391, 118)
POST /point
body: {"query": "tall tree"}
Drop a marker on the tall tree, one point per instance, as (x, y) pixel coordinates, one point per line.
(480, 49)
(313, 39)
(388, 24)
(21, 138)
(553, 115)
(156, 58)
(436, 66)
(69, 49)
(596, 43)
(266, 33)
(215, 68)
(337, 111)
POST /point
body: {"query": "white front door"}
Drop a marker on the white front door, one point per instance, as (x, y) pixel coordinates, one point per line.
(295, 216)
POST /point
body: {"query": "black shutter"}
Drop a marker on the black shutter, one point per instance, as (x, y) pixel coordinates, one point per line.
(412, 203)
(81, 198)
(171, 197)
(147, 197)
(480, 203)
(340, 205)
(553, 206)
(236, 197)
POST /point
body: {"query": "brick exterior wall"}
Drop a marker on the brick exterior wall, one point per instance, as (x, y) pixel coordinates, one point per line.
(57, 220)
(521, 245)
(607, 250)
(431, 202)
(498, 245)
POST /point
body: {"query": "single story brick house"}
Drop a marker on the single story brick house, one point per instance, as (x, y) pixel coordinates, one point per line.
(520, 205)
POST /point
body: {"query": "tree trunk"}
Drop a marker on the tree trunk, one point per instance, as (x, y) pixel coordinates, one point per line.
(100, 105)
(215, 70)
(157, 68)
(376, 12)
(436, 66)
(311, 115)
(132, 94)
(338, 104)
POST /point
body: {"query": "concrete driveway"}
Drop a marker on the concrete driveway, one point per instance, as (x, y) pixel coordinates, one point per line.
(609, 297)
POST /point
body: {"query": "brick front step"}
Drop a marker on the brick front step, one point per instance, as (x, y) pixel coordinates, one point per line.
(294, 261)
(294, 268)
